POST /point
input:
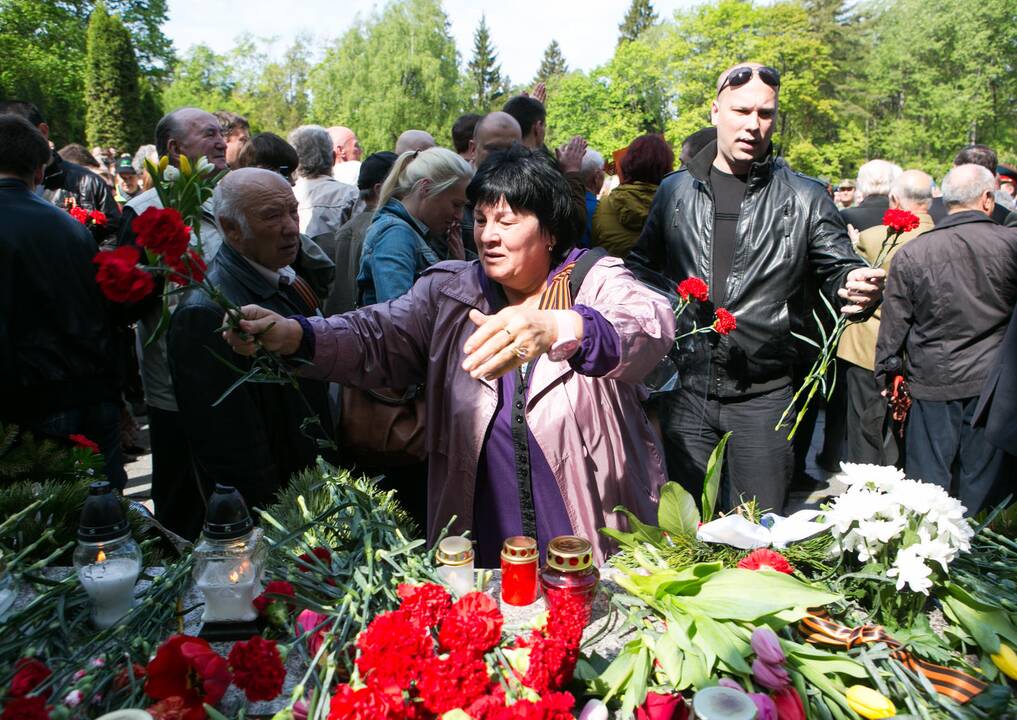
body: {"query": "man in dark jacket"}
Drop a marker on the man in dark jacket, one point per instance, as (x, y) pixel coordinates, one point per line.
(66, 184)
(949, 297)
(976, 155)
(997, 406)
(753, 229)
(255, 438)
(57, 375)
(874, 180)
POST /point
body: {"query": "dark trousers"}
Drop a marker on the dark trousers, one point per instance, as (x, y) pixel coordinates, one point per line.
(834, 427)
(100, 423)
(944, 449)
(178, 497)
(759, 460)
(865, 441)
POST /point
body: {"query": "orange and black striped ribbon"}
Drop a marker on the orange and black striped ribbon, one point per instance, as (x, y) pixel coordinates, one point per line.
(557, 295)
(954, 684)
(303, 289)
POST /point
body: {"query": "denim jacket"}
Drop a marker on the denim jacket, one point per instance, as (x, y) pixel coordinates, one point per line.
(396, 252)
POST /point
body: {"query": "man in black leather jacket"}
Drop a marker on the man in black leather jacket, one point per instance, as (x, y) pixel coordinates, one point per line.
(253, 439)
(58, 373)
(754, 230)
(64, 181)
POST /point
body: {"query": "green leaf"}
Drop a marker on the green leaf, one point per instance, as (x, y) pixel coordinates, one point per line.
(163, 324)
(670, 657)
(612, 680)
(677, 513)
(729, 648)
(635, 692)
(640, 530)
(711, 483)
(726, 595)
(823, 661)
(667, 582)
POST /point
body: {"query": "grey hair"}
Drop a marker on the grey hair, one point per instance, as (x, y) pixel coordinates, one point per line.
(876, 177)
(443, 168)
(145, 151)
(912, 188)
(592, 162)
(965, 184)
(314, 148)
(228, 204)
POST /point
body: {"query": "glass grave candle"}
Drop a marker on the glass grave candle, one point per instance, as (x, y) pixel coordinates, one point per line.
(569, 570)
(455, 555)
(519, 558)
(228, 563)
(107, 559)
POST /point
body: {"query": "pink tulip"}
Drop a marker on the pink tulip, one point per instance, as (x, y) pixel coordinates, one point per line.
(765, 707)
(772, 677)
(766, 645)
(307, 620)
(789, 704)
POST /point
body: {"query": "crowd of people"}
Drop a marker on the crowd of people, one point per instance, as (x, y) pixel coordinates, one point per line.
(477, 323)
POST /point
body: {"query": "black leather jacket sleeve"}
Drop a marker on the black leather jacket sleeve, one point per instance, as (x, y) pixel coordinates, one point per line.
(831, 255)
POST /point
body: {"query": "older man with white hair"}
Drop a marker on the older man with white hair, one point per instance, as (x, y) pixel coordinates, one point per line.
(252, 439)
(592, 173)
(949, 297)
(866, 409)
(324, 204)
(873, 185)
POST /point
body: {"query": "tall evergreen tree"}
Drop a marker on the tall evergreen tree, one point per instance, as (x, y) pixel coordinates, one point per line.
(483, 71)
(112, 96)
(552, 64)
(639, 17)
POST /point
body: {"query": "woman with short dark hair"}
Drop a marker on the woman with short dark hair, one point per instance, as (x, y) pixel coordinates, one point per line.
(534, 425)
(620, 216)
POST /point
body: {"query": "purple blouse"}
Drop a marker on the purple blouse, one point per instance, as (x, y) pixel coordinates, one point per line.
(497, 507)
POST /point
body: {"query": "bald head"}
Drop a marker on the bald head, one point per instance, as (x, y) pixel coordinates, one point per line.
(722, 79)
(193, 133)
(911, 191)
(413, 141)
(495, 131)
(969, 187)
(345, 144)
(257, 213)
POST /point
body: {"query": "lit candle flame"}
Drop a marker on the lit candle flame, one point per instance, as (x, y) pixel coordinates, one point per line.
(234, 577)
(101, 557)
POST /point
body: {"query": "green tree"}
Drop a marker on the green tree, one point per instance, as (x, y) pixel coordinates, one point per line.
(201, 78)
(483, 71)
(43, 45)
(391, 72)
(112, 98)
(638, 19)
(552, 64)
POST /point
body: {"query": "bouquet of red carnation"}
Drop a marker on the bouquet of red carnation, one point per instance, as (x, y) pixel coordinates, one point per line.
(695, 289)
(432, 656)
(88, 218)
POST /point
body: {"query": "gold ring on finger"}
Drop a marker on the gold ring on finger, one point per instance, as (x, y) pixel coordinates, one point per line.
(521, 351)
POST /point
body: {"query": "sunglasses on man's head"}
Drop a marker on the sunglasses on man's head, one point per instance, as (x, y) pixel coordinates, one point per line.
(741, 75)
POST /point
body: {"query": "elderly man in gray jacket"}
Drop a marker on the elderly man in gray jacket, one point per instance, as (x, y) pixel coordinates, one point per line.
(949, 297)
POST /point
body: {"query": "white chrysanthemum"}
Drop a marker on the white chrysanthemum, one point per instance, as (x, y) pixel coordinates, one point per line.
(934, 549)
(882, 530)
(910, 569)
(849, 508)
(882, 477)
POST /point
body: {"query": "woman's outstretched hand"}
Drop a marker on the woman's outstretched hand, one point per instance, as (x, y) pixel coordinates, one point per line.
(266, 329)
(505, 341)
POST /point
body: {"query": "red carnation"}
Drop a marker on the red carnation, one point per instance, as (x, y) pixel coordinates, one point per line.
(765, 558)
(79, 214)
(189, 267)
(98, 217)
(123, 678)
(306, 564)
(188, 667)
(29, 673)
(392, 649)
(567, 618)
(275, 591)
(693, 287)
(553, 706)
(25, 708)
(900, 221)
(452, 682)
(472, 626)
(364, 704)
(257, 668)
(426, 604)
(120, 278)
(162, 231)
(552, 663)
(83, 442)
(725, 322)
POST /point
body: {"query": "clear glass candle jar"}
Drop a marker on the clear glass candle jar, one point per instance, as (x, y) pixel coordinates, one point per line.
(455, 555)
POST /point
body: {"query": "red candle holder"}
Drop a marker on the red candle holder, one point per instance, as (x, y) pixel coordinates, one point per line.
(569, 571)
(519, 557)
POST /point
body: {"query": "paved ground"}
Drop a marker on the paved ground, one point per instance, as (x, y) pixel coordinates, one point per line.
(139, 474)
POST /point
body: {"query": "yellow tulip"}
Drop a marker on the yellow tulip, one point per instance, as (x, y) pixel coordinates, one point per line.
(185, 165)
(869, 704)
(163, 162)
(1006, 661)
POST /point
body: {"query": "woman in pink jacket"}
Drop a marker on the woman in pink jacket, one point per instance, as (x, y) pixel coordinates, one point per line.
(534, 422)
